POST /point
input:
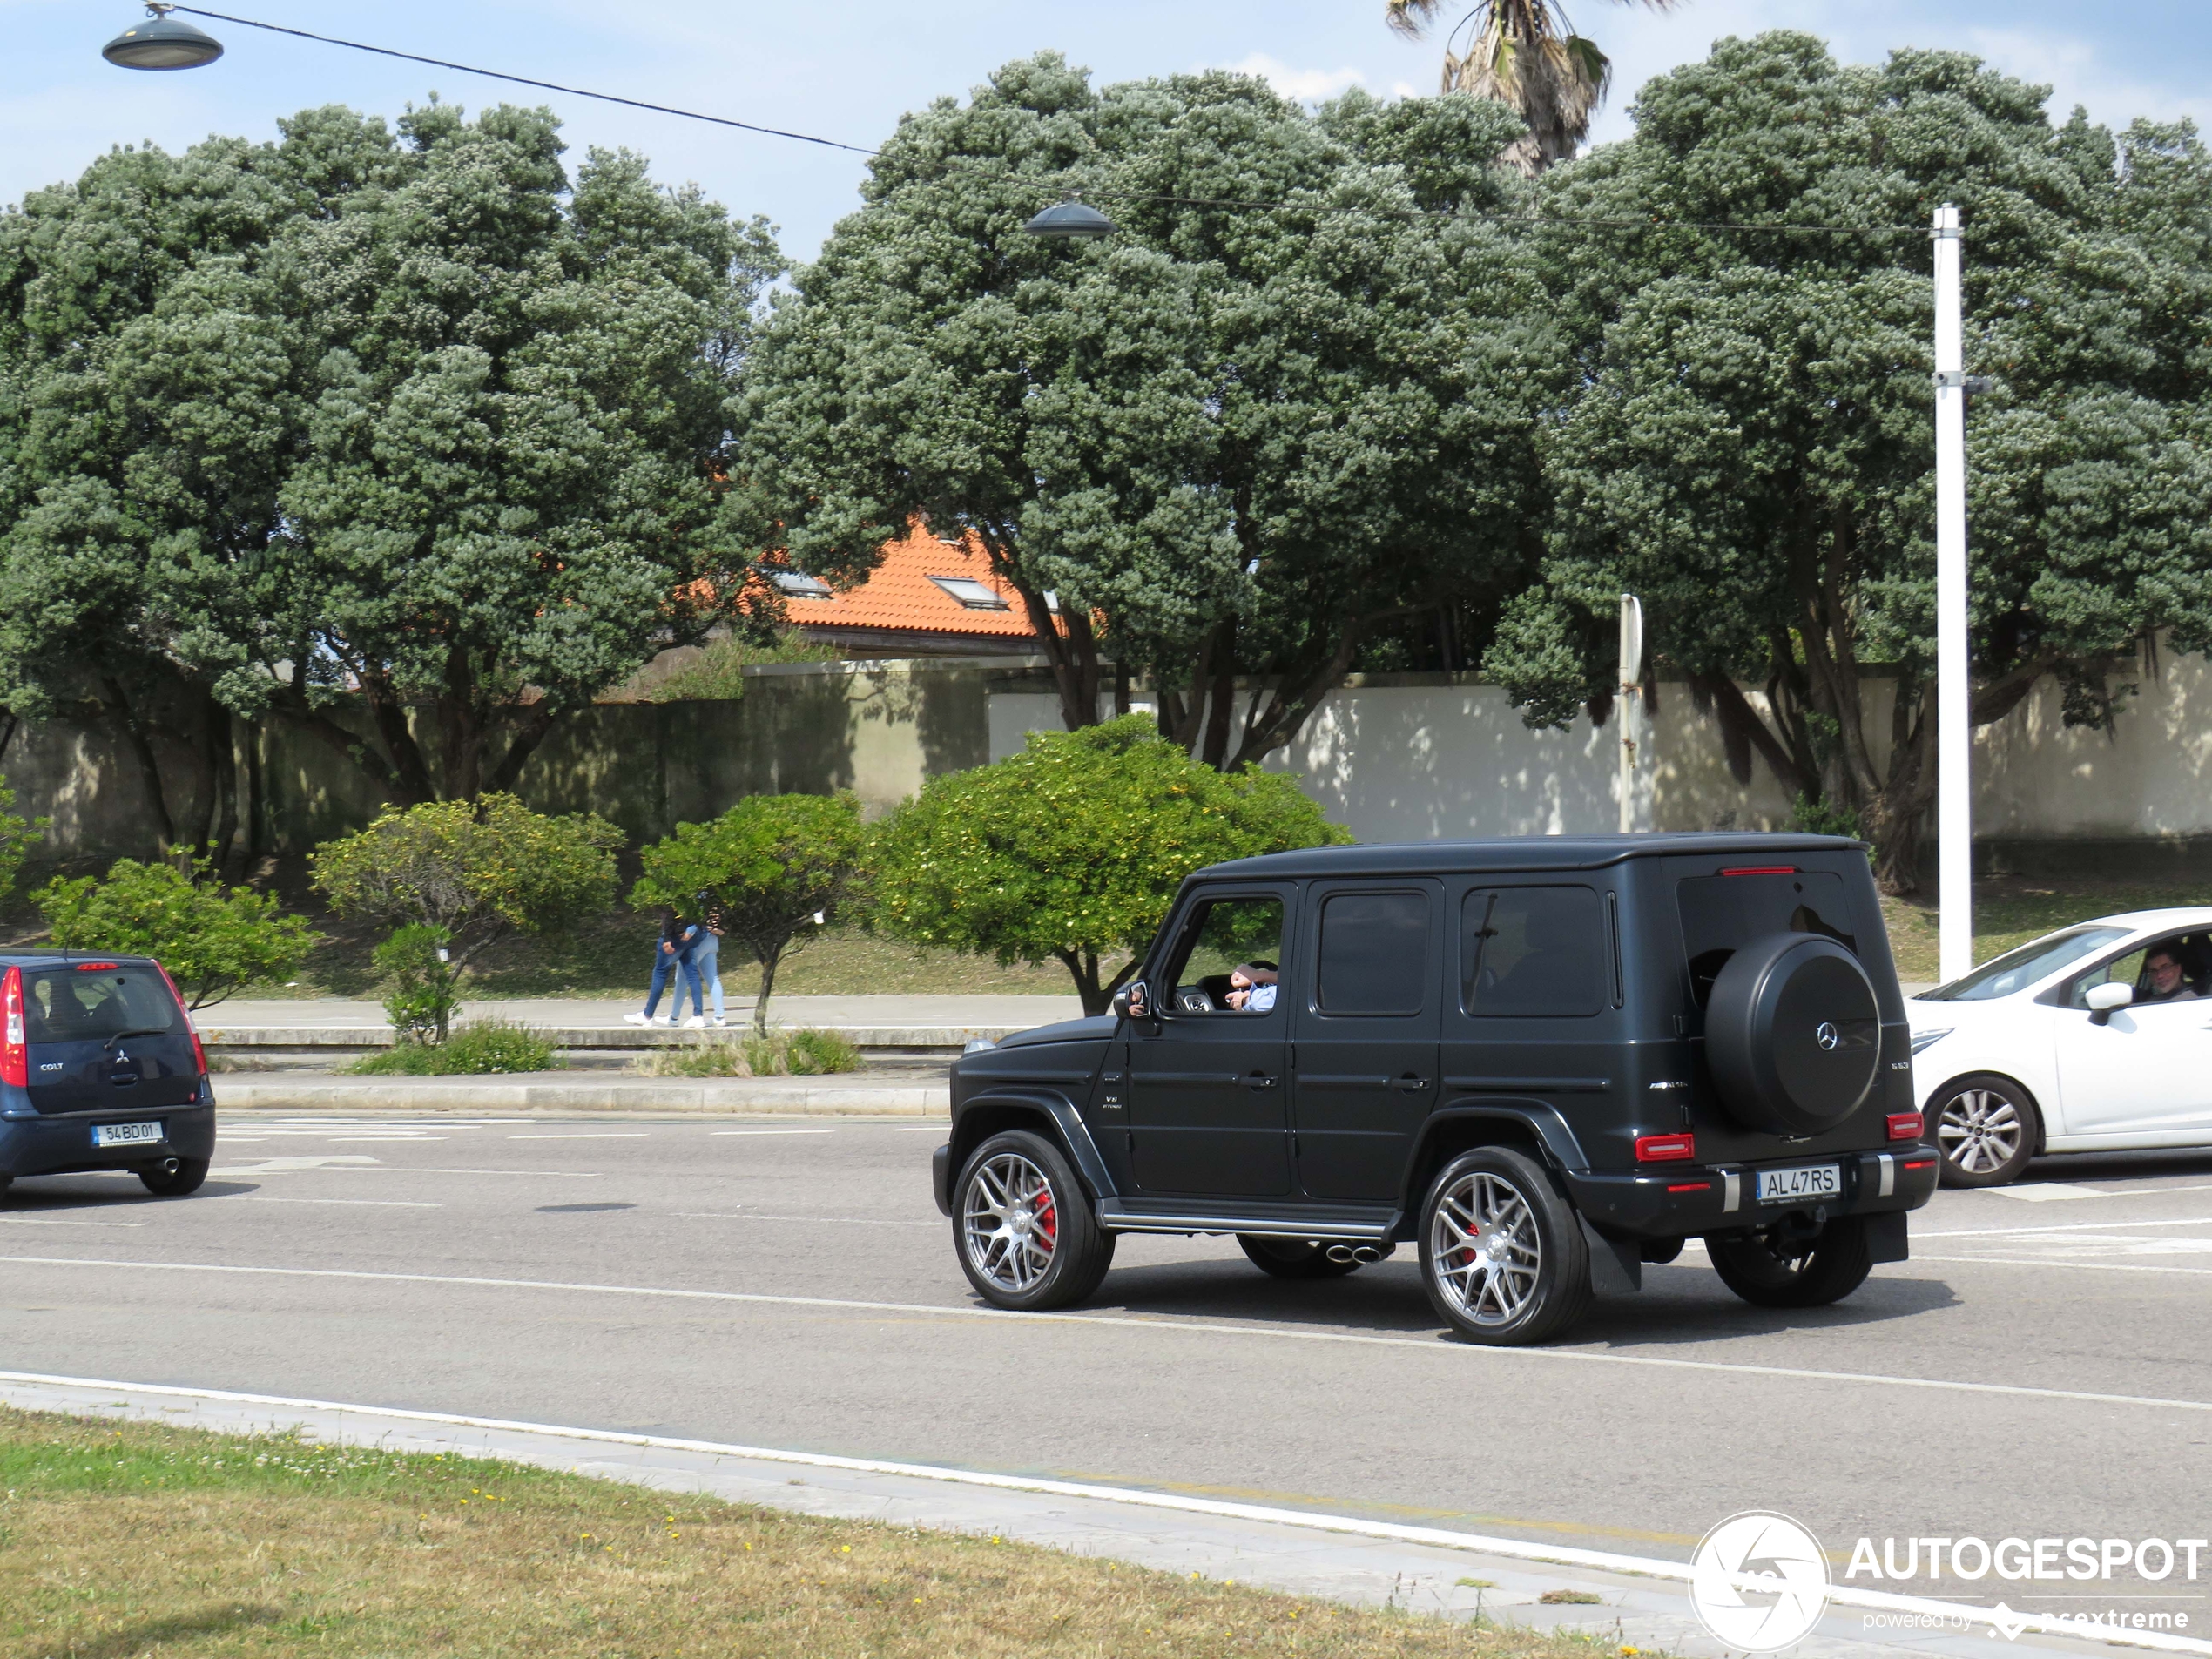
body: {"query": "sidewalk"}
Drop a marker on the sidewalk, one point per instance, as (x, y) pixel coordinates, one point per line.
(911, 1092)
(1638, 1601)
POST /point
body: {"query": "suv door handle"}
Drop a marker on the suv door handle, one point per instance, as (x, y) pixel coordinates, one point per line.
(1259, 1079)
(1412, 1083)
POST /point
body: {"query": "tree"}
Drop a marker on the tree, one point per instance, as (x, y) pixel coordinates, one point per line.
(1072, 850)
(1523, 54)
(1751, 447)
(214, 940)
(408, 431)
(17, 835)
(1290, 403)
(766, 872)
(476, 871)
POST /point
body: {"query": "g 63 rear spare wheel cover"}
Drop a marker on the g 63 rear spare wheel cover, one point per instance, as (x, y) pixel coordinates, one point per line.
(1793, 1034)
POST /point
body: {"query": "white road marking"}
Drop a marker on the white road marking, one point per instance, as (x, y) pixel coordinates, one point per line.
(766, 1131)
(2045, 1191)
(1460, 1352)
(818, 1221)
(362, 1163)
(2060, 1261)
(379, 1204)
(1513, 1548)
(624, 1134)
(925, 1129)
(381, 1140)
(2065, 1227)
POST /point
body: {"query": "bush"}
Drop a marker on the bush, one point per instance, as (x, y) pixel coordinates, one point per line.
(1073, 848)
(17, 835)
(419, 982)
(213, 940)
(478, 869)
(486, 1046)
(797, 1054)
(716, 674)
(763, 872)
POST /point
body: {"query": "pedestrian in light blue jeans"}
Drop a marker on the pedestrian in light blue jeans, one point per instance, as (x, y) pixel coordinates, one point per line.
(705, 970)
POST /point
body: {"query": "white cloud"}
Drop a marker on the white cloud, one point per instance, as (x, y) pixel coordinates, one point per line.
(1300, 83)
(2073, 69)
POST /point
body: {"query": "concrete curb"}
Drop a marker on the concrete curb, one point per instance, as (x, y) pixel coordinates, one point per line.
(862, 1097)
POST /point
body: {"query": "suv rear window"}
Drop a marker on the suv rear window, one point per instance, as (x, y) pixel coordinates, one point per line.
(87, 1003)
(1720, 914)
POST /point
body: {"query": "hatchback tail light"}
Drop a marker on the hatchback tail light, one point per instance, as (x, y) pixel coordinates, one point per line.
(1906, 1126)
(1665, 1149)
(198, 1054)
(15, 1052)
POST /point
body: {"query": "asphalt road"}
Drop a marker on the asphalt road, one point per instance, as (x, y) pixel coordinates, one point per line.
(779, 1283)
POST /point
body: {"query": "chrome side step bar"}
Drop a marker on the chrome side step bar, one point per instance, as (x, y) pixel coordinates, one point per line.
(1116, 1218)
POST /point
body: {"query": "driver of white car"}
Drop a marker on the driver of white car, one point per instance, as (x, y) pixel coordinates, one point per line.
(2165, 978)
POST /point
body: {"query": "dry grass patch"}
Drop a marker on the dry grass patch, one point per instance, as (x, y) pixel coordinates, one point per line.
(2010, 910)
(118, 1541)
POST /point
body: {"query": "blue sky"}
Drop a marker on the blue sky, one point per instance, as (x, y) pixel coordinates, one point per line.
(846, 71)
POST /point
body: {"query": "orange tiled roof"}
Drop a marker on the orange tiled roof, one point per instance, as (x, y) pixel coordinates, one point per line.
(899, 594)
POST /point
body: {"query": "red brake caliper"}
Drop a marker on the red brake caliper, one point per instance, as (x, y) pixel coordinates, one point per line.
(1472, 1253)
(1046, 1218)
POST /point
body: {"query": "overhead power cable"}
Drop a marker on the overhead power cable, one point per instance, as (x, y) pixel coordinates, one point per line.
(524, 80)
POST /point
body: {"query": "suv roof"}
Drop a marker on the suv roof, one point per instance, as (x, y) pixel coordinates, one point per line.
(1525, 853)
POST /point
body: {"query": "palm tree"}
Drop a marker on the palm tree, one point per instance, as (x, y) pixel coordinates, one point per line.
(1524, 53)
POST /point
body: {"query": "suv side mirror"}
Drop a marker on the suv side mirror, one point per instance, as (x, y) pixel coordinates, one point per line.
(1134, 1001)
(2103, 999)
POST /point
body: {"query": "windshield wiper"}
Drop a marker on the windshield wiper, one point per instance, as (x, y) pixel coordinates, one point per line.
(146, 1031)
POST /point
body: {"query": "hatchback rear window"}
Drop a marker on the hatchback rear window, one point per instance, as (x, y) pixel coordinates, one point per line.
(92, 1004)
(1722, 914)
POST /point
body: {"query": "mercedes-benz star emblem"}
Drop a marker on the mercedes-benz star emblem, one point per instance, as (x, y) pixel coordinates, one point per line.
(1826, 1035)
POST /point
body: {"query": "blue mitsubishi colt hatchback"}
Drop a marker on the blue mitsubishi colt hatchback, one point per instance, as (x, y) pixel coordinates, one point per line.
(100, 1069)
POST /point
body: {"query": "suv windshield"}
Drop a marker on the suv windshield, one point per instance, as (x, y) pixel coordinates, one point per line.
(2017, 969)
(93, 1003)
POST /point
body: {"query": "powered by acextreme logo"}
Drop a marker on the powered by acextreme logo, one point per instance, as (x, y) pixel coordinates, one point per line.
(1759, 1582)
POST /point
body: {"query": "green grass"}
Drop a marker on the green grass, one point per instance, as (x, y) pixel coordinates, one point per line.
(780, 1054)
(120, 1541)
(2010, 910)
(481, 1047)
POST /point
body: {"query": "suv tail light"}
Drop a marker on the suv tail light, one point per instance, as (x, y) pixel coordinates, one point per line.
(14, 1053)
(1906, 1126)
(1665, 1149)
(198, 1054)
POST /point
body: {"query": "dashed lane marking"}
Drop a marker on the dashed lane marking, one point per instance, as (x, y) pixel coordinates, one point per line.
(1459, 1352)
(771, 1131)
(374, 1203)
(623, 1135)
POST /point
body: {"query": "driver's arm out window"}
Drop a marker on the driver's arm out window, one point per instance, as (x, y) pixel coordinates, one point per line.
(1223, 935)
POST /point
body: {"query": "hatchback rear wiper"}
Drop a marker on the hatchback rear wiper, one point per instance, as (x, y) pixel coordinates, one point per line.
(148, 1031)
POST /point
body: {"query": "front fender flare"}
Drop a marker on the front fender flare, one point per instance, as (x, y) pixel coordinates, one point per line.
(1074, 1135)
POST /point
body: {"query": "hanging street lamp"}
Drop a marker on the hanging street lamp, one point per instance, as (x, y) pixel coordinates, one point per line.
(1069, 221)
(162, 43)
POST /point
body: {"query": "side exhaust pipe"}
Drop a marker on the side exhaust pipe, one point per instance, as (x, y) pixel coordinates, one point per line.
(1361, 1253)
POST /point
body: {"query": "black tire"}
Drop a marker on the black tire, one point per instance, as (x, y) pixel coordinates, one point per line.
(1985, 1127)
(6, 1181)
(1760, 1267)
(1018, 1253)
(1292, 1257)
(174, 1177)
(1534, 1279)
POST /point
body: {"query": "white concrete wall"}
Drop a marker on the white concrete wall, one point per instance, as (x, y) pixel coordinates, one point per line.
(1411, 758)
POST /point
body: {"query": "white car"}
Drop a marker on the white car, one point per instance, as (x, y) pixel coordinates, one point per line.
(2094, 1038)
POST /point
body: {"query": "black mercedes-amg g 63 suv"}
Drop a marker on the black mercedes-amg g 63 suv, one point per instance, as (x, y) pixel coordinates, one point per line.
(1543, 1062)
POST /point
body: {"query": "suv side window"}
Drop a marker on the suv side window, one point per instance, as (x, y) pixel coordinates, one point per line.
(1533, 952)
(1222, 935)
(1374, 953)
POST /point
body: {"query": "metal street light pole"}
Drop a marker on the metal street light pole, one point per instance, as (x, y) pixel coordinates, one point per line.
(1954, 713)
(1627, 701)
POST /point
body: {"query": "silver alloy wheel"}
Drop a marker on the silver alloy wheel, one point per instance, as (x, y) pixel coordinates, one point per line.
(1980, 1131)
(1010, 1222)
(1483, 1245)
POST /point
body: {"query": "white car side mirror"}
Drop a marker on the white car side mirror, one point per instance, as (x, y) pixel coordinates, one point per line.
(2103, 999)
